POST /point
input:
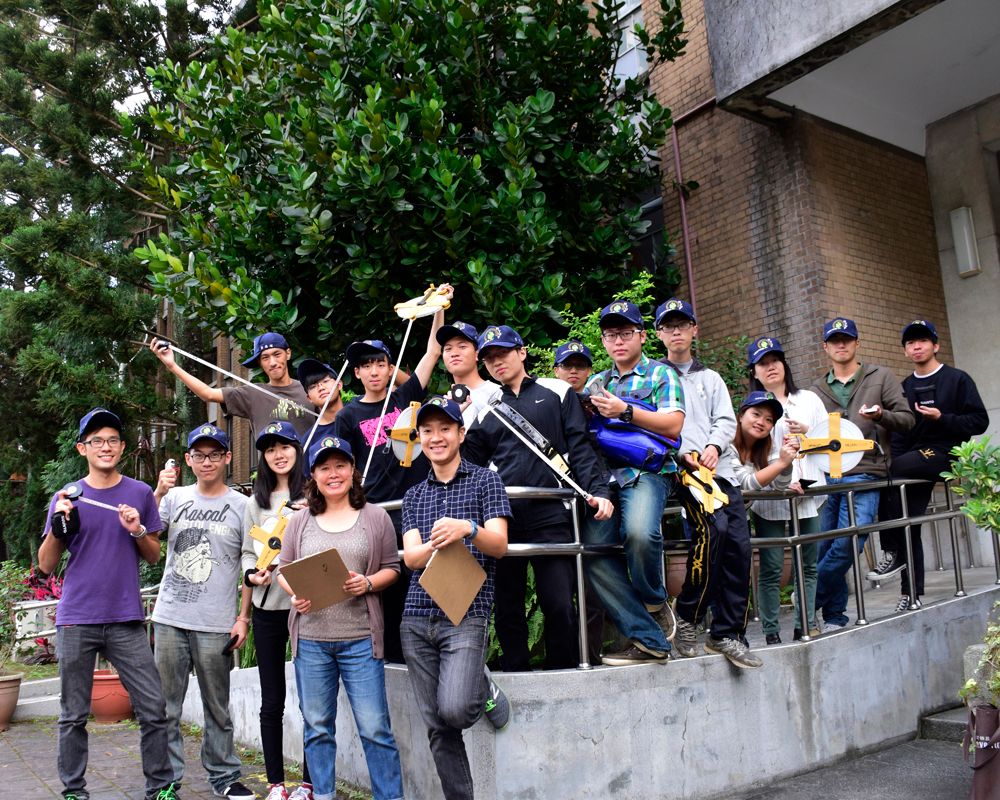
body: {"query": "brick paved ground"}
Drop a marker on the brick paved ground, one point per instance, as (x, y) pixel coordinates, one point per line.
(28, 764)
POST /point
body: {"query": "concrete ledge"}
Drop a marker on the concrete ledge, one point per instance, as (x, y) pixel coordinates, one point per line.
(948, 726)
(695, 728)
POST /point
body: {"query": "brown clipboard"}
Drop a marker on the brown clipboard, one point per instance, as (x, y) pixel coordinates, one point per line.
(453, 578)
(319, 577)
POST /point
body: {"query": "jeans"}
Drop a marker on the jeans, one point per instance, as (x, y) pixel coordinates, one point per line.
(772, 561)
(555, 586)
(270, 636)
(446, 666)
(630, 585)
(319, 669)
(835, 556)
(177, 651)
(124, 644)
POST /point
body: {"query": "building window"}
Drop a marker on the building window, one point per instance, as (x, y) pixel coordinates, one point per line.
(632, 60)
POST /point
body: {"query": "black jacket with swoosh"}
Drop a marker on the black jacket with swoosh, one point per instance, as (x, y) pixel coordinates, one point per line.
(552, 407)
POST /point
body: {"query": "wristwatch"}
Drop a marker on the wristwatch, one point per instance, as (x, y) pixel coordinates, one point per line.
(369, 582)
(626, 415)
(139, 533)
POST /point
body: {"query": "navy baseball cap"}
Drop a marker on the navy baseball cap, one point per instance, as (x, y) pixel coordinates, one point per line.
(620, 310)
(358, 351)
(279, 429)
(675, 306)
(98, 418)
(763, 399)
(329, 444)
(312, 368)
(265, 342)
(499, 336)
(442, 405)
(759, 348)
(920, 329)
(840, 325)
(208, 431)
(457, 328)
(573, 348)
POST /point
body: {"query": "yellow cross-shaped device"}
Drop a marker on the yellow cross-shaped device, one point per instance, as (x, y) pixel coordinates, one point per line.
(405, 432)
(268, 538)
(842, 454)
(701, 483)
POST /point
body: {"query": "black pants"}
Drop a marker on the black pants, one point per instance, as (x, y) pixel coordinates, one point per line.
(393, 600)
(270, 636)
(718, 565)
(928, 464)
(555, 584)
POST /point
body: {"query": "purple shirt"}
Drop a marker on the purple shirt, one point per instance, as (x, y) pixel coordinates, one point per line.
(101, 582)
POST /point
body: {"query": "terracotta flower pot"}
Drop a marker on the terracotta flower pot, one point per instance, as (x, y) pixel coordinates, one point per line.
(109, 702)
(10, 690)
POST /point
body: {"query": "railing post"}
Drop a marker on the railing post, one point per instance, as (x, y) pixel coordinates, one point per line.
(859, 592)
(955, 555)
(908, 540)
(797, 570)
(996, 553)
(581, 593)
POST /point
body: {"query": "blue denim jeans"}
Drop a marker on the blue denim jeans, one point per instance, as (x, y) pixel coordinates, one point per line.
(835, 556)
(124, 644)
(446, 667)
(178, 650)
(319, 669)
(630, 586)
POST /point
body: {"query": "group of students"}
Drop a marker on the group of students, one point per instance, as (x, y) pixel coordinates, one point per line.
(454, 492)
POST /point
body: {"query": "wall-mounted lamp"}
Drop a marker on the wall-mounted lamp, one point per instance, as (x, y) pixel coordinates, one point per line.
(963, 233)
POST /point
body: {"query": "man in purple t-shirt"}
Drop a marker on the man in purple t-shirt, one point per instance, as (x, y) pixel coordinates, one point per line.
(100, 610)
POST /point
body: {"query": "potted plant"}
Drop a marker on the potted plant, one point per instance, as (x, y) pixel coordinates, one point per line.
(11, 592)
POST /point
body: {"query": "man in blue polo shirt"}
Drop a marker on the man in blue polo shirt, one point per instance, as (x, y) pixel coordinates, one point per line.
(458, 502)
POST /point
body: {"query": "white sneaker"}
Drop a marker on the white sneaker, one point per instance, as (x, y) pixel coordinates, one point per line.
(277, 792)
(302, 792)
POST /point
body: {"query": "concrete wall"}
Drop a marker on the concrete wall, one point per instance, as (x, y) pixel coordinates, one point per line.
(695, 728)
(963, 167)
(765, 39)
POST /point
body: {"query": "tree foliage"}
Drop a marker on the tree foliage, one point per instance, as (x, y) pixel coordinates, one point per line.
(71, 297)
(353, 151)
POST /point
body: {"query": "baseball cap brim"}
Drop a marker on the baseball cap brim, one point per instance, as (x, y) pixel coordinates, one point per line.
(448, 332)
(100, 418)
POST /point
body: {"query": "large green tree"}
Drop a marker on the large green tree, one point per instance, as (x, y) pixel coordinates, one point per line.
(72, 300)
(352, 151)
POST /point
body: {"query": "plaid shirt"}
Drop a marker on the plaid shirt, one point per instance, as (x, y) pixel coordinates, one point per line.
(651, 382)
(474, 493)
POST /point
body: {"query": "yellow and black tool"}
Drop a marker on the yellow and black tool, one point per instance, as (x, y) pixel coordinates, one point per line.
(404, 435)
(267, 539)
(701, 483)
(837, 444)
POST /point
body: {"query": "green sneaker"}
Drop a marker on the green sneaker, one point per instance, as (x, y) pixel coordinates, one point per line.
(168, 793)
(497, 705)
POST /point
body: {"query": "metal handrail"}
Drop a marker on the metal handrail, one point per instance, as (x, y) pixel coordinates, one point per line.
(795, 540)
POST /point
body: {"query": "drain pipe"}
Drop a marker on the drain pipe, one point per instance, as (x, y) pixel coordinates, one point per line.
(679, 175)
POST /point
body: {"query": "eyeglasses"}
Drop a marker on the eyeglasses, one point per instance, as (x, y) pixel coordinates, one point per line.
(326, 382)
(625, 336)
(100, 441)
(675, 326)
(215, 457)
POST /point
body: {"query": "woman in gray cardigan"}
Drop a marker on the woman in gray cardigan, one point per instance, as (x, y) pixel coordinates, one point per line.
(343, 641)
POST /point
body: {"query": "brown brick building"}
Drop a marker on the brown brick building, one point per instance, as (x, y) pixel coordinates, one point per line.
(812, 137)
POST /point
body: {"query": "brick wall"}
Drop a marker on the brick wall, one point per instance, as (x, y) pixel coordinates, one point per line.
(796, 222)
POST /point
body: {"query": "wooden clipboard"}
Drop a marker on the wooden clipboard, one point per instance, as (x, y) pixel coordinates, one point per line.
(319, 577)
(453, 578)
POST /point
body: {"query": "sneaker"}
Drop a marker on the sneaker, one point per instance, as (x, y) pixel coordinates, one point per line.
(903, 604)
(667, 621)
(774, 638)
(168, 793)
(739, 654)
(497, 705)
(891, 564)
(235, 790)
(636, 654)
(277, 791)
(304, 791)
(686, 639)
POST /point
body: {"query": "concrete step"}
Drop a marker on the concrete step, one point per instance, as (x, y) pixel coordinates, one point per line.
(34, 707)
(39, 688)
(946, 726)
